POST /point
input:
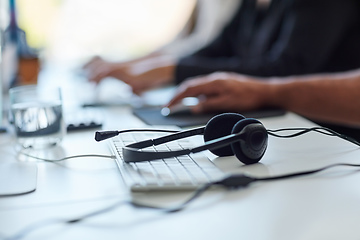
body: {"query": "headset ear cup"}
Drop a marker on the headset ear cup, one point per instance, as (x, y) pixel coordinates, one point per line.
(220, 126)
(252, 149)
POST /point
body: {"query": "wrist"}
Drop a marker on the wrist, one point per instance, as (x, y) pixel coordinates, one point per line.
(275, 93)
(167, 66)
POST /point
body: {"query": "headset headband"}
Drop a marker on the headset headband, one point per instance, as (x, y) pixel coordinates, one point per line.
(134, 152)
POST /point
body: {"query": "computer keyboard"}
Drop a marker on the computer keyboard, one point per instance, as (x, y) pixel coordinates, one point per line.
(84, 118)
(178, 173)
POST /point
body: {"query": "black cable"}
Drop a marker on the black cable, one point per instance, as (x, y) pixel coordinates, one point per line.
(322, 130)
(22, 233)
(308, 172)
(98, 212)
(241, 180)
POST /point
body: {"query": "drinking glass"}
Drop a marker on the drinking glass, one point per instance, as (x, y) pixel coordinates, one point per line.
(37, 116)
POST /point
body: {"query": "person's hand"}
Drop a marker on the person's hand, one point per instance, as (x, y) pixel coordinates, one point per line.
(97, 69)
(140, 75)
(224, 92)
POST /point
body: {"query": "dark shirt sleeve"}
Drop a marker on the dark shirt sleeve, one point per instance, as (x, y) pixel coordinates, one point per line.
(309, 33)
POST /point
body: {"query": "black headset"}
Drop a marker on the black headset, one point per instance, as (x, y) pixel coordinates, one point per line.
(226, 134)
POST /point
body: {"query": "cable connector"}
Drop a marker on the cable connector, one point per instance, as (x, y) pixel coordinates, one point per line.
(236, 181)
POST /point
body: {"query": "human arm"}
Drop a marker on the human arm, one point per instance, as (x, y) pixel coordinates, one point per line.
(331, 98)
(141, 74)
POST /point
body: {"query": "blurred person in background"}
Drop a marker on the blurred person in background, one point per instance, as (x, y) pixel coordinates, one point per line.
(206, 21)
(264, 38)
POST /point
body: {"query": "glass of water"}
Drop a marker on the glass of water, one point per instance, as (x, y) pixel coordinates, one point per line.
(37, 116)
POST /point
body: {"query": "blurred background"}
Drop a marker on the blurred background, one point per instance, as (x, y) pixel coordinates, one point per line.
(49, 41)
(69, 32)
(73, 30)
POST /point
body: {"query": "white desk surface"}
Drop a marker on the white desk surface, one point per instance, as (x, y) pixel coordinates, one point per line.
(320, 206)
